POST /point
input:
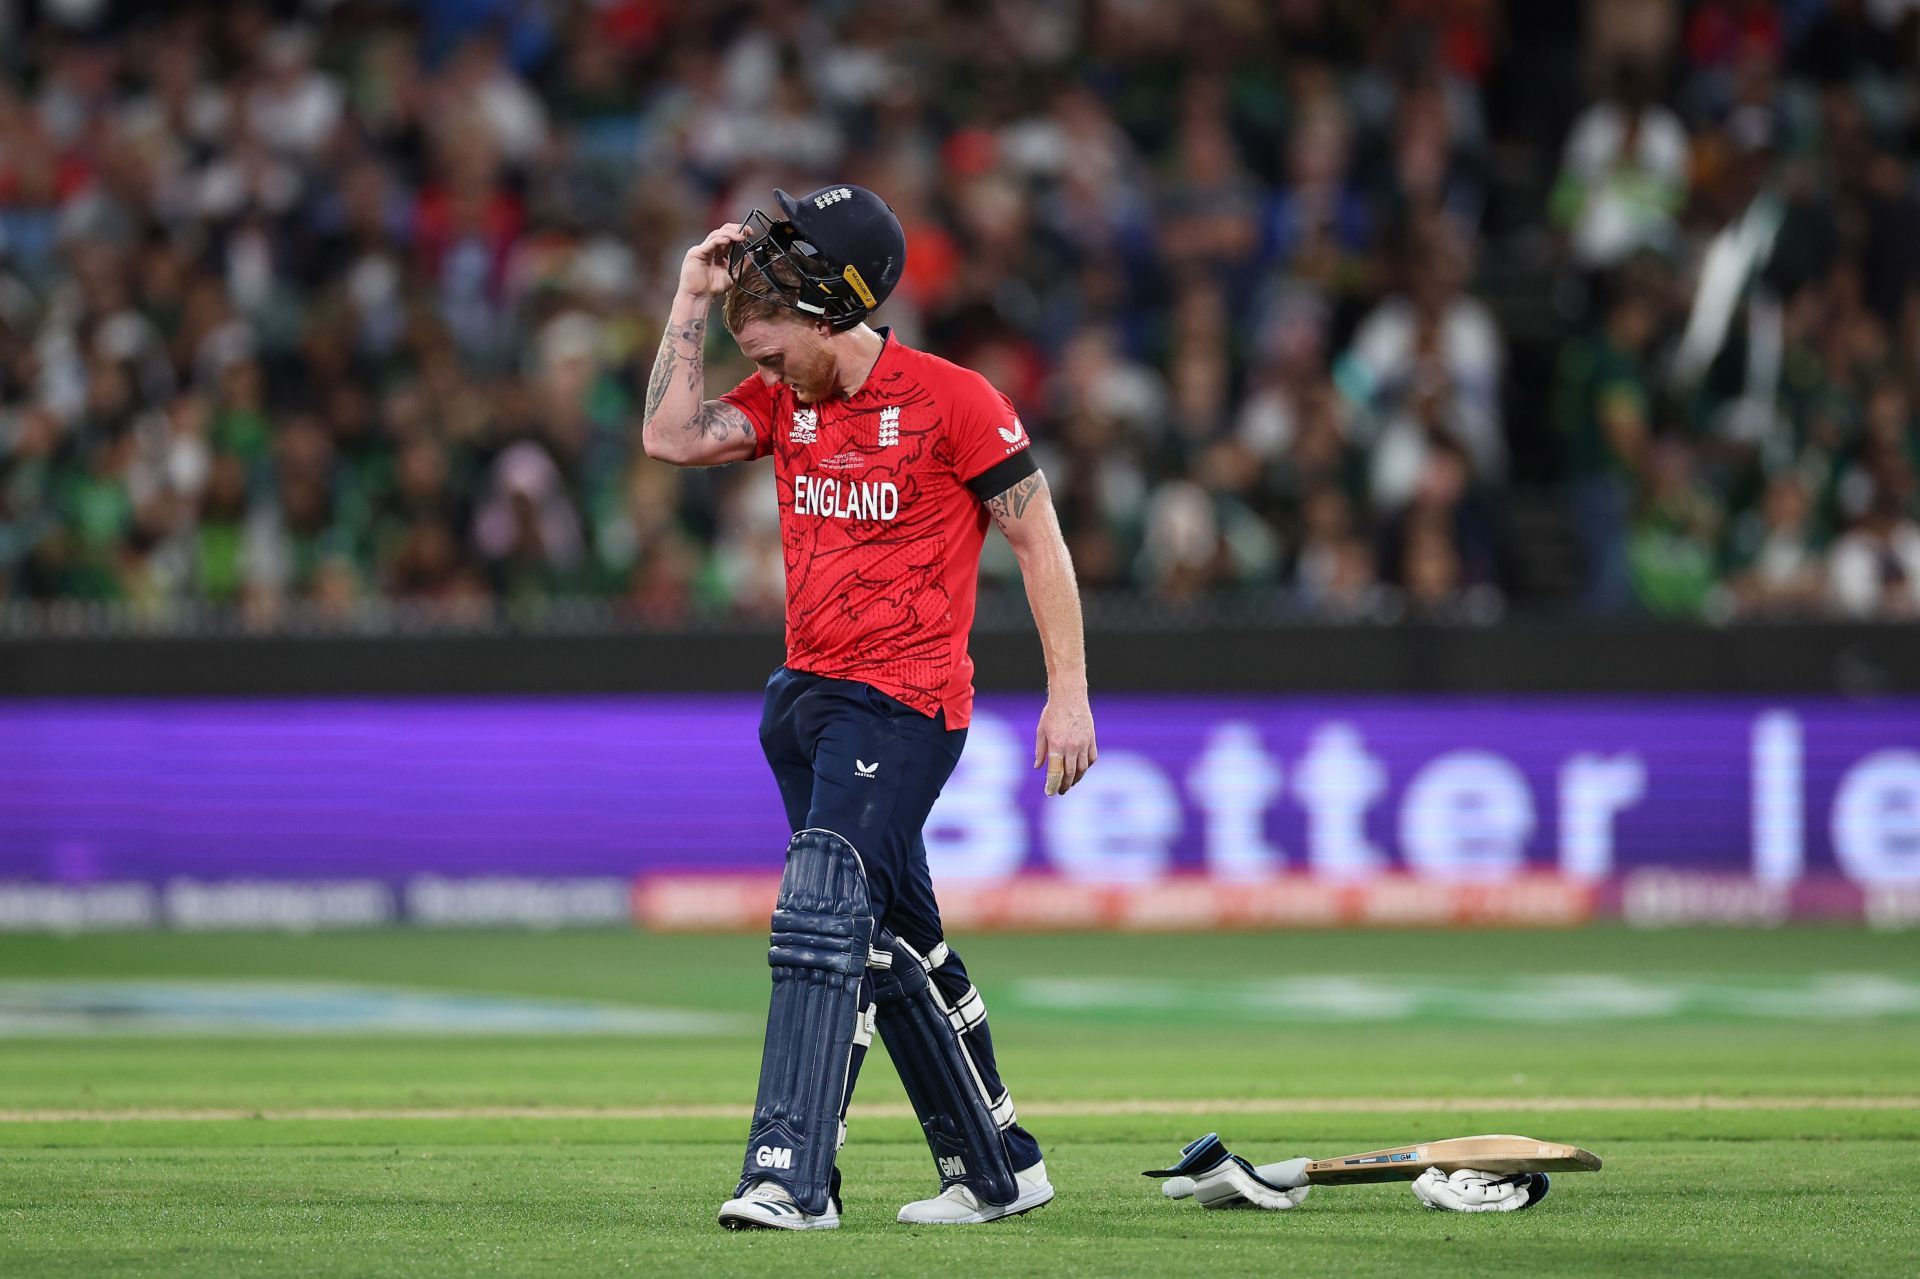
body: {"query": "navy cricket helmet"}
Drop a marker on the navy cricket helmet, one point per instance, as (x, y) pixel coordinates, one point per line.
(835, 255)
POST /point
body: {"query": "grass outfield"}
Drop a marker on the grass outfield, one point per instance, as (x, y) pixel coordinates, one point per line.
(1756, 1097)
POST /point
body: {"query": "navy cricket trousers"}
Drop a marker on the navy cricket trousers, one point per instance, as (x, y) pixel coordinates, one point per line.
(866, 766)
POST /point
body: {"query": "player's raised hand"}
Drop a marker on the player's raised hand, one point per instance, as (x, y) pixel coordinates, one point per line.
(1064, 741)
(703, 272)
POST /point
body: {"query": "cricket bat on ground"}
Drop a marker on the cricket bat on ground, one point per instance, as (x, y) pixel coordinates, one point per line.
(1501, 1153)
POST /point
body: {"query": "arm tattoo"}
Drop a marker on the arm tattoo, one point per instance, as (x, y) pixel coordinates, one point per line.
(1013, 503)
(681, 345)
(719, 419)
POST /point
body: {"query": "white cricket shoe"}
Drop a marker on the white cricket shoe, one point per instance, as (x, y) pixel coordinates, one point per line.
(767, 1206)
(958, 1206)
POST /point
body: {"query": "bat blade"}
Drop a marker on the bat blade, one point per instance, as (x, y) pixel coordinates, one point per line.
(1496, 1152)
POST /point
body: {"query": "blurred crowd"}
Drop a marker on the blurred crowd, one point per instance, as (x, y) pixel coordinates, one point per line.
(311, 306)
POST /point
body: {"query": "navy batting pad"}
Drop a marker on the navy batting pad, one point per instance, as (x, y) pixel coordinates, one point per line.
(946, 1091)
(822, 931)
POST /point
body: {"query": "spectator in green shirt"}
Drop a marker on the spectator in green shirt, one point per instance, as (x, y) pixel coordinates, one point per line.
(1602, 410)
(1671, 548)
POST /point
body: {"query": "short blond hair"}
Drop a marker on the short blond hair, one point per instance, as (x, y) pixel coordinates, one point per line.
(739, 308)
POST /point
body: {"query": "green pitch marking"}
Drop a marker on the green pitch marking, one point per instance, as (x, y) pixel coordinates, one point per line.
(1334, 998)
(66, 1008)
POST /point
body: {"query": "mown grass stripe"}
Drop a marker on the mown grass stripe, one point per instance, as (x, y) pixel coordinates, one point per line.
(1096, 1109)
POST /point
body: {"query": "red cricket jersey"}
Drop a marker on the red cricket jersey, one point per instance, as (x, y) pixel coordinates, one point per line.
(882, 514)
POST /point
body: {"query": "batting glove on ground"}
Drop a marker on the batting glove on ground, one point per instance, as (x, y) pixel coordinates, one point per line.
(1209, 1174)
(1471, 1191)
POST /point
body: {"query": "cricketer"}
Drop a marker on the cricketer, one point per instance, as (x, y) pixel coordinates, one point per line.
(889, 463)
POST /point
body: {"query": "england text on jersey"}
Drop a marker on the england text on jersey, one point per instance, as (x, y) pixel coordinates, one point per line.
(845, 499)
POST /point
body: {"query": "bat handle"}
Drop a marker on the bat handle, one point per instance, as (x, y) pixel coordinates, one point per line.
(1288, 1174)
